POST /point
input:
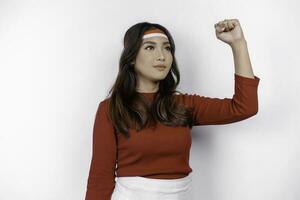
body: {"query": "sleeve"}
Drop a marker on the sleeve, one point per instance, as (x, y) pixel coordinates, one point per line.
(101, 179)
(210, 111)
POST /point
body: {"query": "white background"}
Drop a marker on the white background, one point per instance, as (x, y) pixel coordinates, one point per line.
(59, 59)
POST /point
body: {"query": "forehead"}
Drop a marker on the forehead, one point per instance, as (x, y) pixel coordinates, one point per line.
(156, 40)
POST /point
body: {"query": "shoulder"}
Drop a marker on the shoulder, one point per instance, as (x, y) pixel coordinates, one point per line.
(104, 102)
(103, 109)
(103, 106)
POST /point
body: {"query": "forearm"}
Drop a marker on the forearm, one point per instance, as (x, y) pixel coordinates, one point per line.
(241, 57)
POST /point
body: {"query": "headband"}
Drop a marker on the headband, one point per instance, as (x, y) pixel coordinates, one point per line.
(154, 32)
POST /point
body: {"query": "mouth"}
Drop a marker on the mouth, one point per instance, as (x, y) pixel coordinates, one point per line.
(160, 67)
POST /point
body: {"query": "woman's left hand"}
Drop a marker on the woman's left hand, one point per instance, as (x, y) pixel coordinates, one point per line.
(229, 31)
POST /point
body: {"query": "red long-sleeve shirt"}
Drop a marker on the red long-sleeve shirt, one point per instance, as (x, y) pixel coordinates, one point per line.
(163, 152)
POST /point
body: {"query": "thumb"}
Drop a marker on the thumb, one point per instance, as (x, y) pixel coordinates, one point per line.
(220, 29)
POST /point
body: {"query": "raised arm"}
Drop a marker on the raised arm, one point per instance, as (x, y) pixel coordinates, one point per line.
(101, 180)
(230, 32)
(244, 103)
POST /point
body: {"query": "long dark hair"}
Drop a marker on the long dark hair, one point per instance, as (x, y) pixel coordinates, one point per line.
(129, 109)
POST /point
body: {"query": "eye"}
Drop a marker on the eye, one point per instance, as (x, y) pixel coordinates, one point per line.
(148, 46)
(169, 48)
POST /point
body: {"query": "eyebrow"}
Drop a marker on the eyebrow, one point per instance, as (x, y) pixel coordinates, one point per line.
(150, 42)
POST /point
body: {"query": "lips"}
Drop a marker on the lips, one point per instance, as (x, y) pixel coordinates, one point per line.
(160, 66)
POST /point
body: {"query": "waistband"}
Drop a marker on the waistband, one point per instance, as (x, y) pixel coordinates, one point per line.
(155, 185)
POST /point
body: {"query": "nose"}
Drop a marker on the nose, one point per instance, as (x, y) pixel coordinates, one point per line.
(161, 55)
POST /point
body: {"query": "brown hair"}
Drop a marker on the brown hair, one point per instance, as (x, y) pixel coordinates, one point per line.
(127, 108)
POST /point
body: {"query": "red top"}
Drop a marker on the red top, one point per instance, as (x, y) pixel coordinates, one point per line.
(163, 152)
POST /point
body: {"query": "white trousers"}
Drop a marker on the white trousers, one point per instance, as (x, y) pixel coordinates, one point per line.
(141, 188)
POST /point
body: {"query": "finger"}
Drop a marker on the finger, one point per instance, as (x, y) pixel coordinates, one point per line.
(226, 25)
(230, 24)
(235, 22)
(223, 25)
(219, 27)
(221, 22)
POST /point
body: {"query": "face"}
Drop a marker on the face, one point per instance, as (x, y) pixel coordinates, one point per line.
(153, 51)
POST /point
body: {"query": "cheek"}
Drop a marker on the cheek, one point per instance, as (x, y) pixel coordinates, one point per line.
(142, 55)
(143, 69)
(144, 59)
(170, 58)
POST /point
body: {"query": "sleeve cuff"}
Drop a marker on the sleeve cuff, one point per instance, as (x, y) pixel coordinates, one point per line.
(246, 80)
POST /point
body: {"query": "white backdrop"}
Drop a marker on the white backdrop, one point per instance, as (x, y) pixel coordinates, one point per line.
(58, 60)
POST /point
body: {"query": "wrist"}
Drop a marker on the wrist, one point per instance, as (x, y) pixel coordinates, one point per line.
(239, 43)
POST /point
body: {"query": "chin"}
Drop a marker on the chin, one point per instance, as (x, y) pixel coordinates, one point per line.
(159, 78)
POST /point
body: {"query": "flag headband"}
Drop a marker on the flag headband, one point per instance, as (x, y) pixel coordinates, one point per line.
(154, 32)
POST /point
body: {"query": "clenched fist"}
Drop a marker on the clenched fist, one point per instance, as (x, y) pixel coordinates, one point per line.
(229, 31)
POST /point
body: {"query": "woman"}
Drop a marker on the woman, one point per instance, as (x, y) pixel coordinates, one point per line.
(141, 134)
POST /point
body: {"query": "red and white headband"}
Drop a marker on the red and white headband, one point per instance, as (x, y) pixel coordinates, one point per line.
(154, 32)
